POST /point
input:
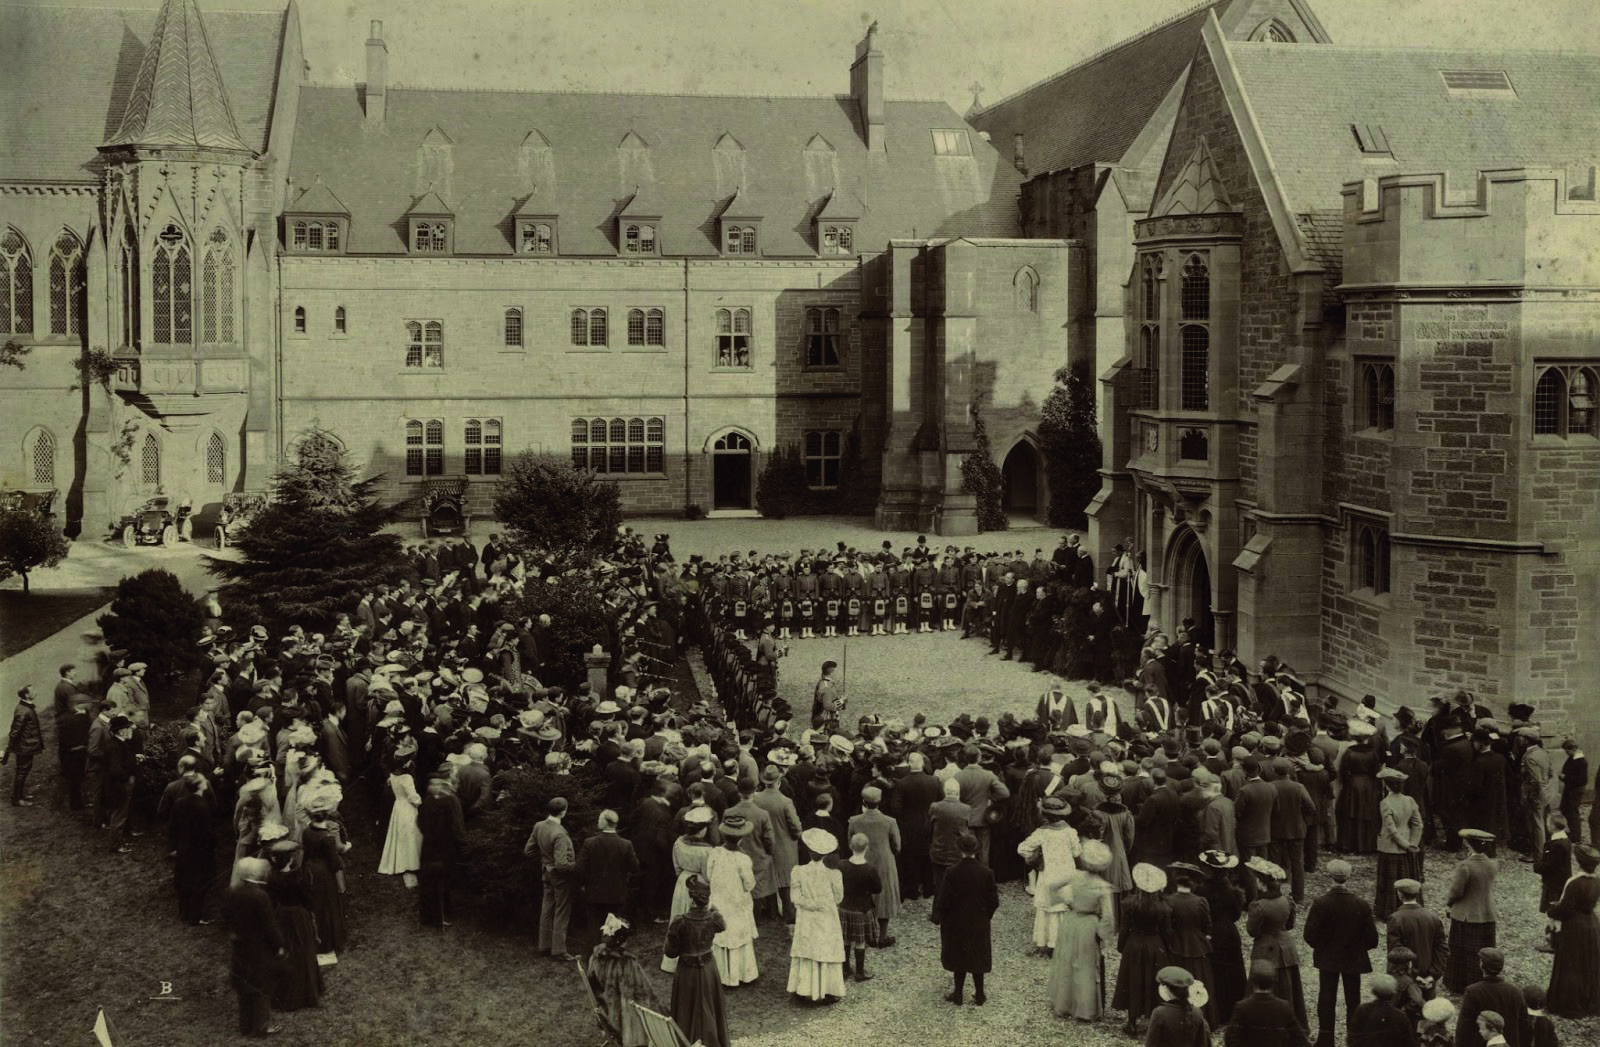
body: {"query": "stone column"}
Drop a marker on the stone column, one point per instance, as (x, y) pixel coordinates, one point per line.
(598, 664)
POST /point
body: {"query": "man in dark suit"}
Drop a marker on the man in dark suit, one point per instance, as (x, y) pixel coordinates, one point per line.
(473, 781)
(1005, 594)
(1252, 810)
(1156, 825)
(1340, 932)
(606, 866)
(1418, 929)
(257, 943)
(966, 902)
(1292, 811)
(1452, 773)
(1016, 626)
(443, 832)
(1263, 1019)
(1492, 993)
(909, 802)
(1378, 1022)
(650, 830)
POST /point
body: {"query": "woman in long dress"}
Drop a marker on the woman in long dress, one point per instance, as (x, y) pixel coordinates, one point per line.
(1078, 967)
(324, 849)
(1053, 849)
(1226, 901)
(1357, 807)
(1270, 920)
(402, 846)
(816, 955)
(1474, 921)
(697, 1004)
(1191, 932)
(618, 980)
(1142, 941)
(1575, 978)
(299, 981)
(689, 854)
(1118, 836)
(733, 877)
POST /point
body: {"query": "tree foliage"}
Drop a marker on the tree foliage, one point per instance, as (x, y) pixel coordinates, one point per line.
(1069, 431)
(157, 621)
(781, 489)
(578, 620)
(547, 504)
(13, 354)
(29, 541)
(314, 547)
(981, 477)
(495, 865)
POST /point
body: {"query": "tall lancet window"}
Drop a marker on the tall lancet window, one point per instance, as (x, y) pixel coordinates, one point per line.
(172, 288)
(216, 291)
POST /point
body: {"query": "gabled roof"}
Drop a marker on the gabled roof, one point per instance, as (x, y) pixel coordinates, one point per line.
(1093, 111)
(743, 204)
(537, 205)
(842, 206)
(642, 204)
(318, 199)
(430, 203)
(904, 190)
(52, 123)
(178, 98)
(1196, 189)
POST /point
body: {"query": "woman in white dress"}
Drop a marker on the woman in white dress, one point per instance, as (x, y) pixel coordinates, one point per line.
(1052, 848)
(732, 878)
(816, 955)
(689, 854)
(402, 847)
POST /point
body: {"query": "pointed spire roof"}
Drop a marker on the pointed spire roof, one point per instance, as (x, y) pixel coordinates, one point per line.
(178, 98)
(1196, 189)
(318, 199)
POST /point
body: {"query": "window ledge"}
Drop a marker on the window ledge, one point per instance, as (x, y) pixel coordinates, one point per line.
(644, 348)
(511, 350)
(1556, 440)
(589, 349)
(1369, 433)
(732, 370)
(300, 336)
(408, 372)
(1372, 599)
(623, 477)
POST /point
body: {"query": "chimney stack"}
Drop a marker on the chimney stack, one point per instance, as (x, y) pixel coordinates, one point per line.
(1018, 160)
(377, 74)
(866, 85)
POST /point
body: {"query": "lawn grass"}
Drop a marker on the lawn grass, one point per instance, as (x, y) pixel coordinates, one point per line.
(25, 619)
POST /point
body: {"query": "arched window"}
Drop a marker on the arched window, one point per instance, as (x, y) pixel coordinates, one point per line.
(299, 319)
(216, 460)
(635, 326)
(39, 452)
(128, 276)
(513, 328)
(299, 234)
(1376, 408)
(1370, 557)
(822, 338)
(1026, 287)
(1580, 402)
(1196, 294)
(580, 327)
(150, 461)
(1564, 401)
(1149, 309)
(67, 278)
(655, 327)
(597, 327)
(172, 288)
(216, 291)
(16, 284)
(630, 239)
(1272, 31)
(1548, 394)
(339, 323)
(733, 338)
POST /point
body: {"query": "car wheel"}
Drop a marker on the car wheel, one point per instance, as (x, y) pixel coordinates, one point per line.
(127, 537)
(169, 536)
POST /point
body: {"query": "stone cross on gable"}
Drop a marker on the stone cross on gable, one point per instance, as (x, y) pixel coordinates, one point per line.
(977, 93)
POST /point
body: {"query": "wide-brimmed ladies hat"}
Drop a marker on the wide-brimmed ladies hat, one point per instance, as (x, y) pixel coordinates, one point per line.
(1219, 859)
(1054, 808)
(1149, 878)
(1262, 867)
(820, 841)
(735, 825)
(1096, 856)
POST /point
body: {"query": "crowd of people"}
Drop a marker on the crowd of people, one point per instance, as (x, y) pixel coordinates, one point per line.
(1152, 819)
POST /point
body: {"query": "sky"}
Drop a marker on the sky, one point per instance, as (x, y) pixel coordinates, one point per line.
(933, 49)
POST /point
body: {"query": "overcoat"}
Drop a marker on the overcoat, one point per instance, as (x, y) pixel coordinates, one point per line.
(966, 902)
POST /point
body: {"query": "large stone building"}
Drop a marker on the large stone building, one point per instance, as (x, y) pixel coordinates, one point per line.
(1344, 306)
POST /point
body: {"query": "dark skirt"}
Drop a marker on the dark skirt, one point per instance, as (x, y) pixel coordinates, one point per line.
(1289, 988)
(1465, 940)
(299, 977)
(327, 906)
(860, 928)
(1392, 867)
(1200, 967)
(1143, 956)
(1227, 968)
(1575, 977)
(697, 1004)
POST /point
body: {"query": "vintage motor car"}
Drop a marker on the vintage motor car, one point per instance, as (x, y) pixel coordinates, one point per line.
(152, 524)
(443, 512)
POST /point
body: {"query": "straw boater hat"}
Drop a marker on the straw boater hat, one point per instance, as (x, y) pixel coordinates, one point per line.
(840, 744)
(1096, 856)
(819, 841)
(1391, 773)
(1261, 866)
(736, 825)
(1149, 878)
(1054, 808)
(1438, 1009)
(698, 816)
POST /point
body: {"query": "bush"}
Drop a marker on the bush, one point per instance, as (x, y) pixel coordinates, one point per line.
(694, 511)
(313, 548)
(161, 744)
(578, 621)
(781, 489)
(495, 864)
(156, 620)
(547, 504)
(1070, 434)
(29, 541)
(981, 477)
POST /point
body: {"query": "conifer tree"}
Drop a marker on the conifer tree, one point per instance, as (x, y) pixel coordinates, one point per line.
(314, 547)
(1069, 432)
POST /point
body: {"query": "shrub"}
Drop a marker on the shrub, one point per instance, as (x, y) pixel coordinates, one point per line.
(495, 865)
(578, 621)
(1070, 435)
(313, 548)
(161, 744)
(694, 511)
(781, 489)
(981, 477)
(156, 620)
(547, 504)
(29, 541)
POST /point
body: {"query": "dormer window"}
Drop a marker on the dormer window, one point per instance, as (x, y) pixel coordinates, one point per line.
(951, 142)
(838, 238)
(316, 235)
(316, 222)
(536, 236)
(639, 238)
(430, 236)
(739, 239)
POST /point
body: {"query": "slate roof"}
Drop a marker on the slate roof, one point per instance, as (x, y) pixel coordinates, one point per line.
(903, 191)
(1093, 111)
(69, 73)
(1306, 99)
(178, 98)
(318, 199)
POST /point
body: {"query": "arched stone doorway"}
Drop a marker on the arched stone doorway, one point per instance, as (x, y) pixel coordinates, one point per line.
(1190, 581)
(1021, 472)
(732, 462)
